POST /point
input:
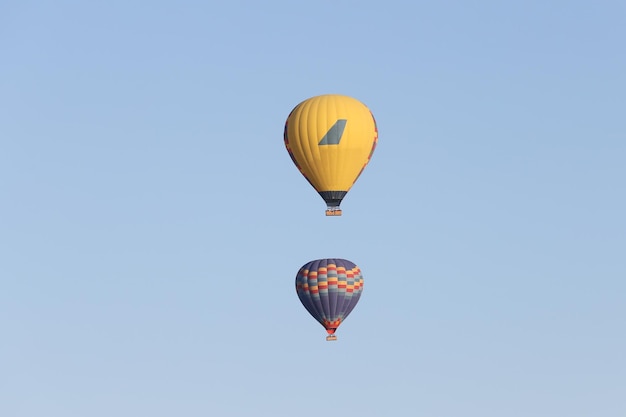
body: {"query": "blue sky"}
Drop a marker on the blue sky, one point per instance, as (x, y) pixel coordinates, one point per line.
(152, 223)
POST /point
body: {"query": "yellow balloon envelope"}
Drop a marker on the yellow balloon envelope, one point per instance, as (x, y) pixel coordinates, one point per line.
(331, 139)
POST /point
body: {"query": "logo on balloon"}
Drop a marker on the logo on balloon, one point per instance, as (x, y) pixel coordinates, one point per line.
(334, 134)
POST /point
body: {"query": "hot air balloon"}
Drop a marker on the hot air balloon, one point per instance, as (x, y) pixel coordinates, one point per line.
(331, 139)
(329, 289)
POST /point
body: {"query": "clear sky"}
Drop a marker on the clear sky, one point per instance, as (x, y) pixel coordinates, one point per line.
(152, 223)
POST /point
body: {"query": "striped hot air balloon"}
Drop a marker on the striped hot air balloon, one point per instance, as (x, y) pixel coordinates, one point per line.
(329, 289)
(331, 139)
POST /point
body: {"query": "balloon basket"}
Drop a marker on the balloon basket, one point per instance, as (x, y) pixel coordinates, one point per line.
(331, 338)
(333, 212)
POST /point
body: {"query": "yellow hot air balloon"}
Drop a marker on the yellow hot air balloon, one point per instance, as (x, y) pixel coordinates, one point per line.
(331, 139)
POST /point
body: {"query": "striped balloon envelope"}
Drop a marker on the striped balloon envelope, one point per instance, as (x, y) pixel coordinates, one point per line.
(329, 289)
(331, 139)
